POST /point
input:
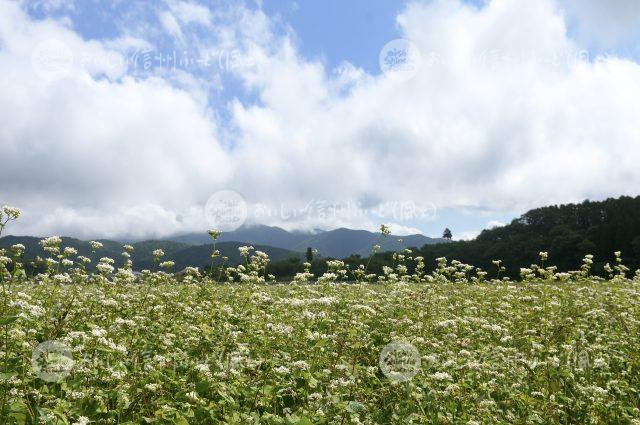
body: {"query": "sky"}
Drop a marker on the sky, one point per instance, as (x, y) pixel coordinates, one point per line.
(130, 119)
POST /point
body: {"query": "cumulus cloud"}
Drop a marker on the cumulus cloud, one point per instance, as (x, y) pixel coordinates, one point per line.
(98, 151)
(504, 113)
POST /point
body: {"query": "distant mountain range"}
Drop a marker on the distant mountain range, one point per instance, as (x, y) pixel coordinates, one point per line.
(338, 243)
(195, 249)
(111, 249)
(180, 253)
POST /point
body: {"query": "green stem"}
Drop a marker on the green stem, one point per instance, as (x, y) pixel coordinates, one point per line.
(212, 257)
(372, 253)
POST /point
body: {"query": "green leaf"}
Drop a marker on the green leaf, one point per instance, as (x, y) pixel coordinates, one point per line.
(7, 320)
(181, 420)
(354, 407)
(311, 381)
(19, 412)
(5, 376)
(304, 421)
(203, 387)
(11, 366)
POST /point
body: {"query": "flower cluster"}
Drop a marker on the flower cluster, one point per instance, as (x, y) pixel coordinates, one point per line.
(153, 347)
(507, 352)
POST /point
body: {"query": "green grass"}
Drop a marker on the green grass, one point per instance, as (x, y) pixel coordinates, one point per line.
(159, 352)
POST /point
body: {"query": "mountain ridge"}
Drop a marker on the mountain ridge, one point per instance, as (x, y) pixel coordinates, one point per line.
(337, 243)
(195, 249)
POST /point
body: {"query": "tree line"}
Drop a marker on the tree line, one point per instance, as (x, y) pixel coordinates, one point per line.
(566, 232)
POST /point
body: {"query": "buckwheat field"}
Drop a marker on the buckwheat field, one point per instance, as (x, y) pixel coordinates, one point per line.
(450, 345)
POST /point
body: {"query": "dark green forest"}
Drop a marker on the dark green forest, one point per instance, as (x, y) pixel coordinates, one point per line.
(566, 232)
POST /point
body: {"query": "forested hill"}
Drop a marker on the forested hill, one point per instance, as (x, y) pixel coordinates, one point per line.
(566, 232)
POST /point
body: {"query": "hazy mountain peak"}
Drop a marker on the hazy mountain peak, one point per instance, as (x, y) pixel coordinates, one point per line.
(337, 243)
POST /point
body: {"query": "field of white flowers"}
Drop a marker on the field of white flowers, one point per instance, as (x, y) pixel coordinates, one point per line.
(451, 345)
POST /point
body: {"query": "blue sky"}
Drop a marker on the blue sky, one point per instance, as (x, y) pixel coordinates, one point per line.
(332, 30)
(510, 108)
(336, 30)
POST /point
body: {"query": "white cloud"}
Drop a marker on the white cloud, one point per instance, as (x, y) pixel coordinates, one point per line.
(504, 114)
(466, 236)
(400, 230)
(170, 24)
(494, 223)
(112, 156)
(188, 12)
(181, 14)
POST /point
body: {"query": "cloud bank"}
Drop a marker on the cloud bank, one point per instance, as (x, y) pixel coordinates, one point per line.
(505, 112)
